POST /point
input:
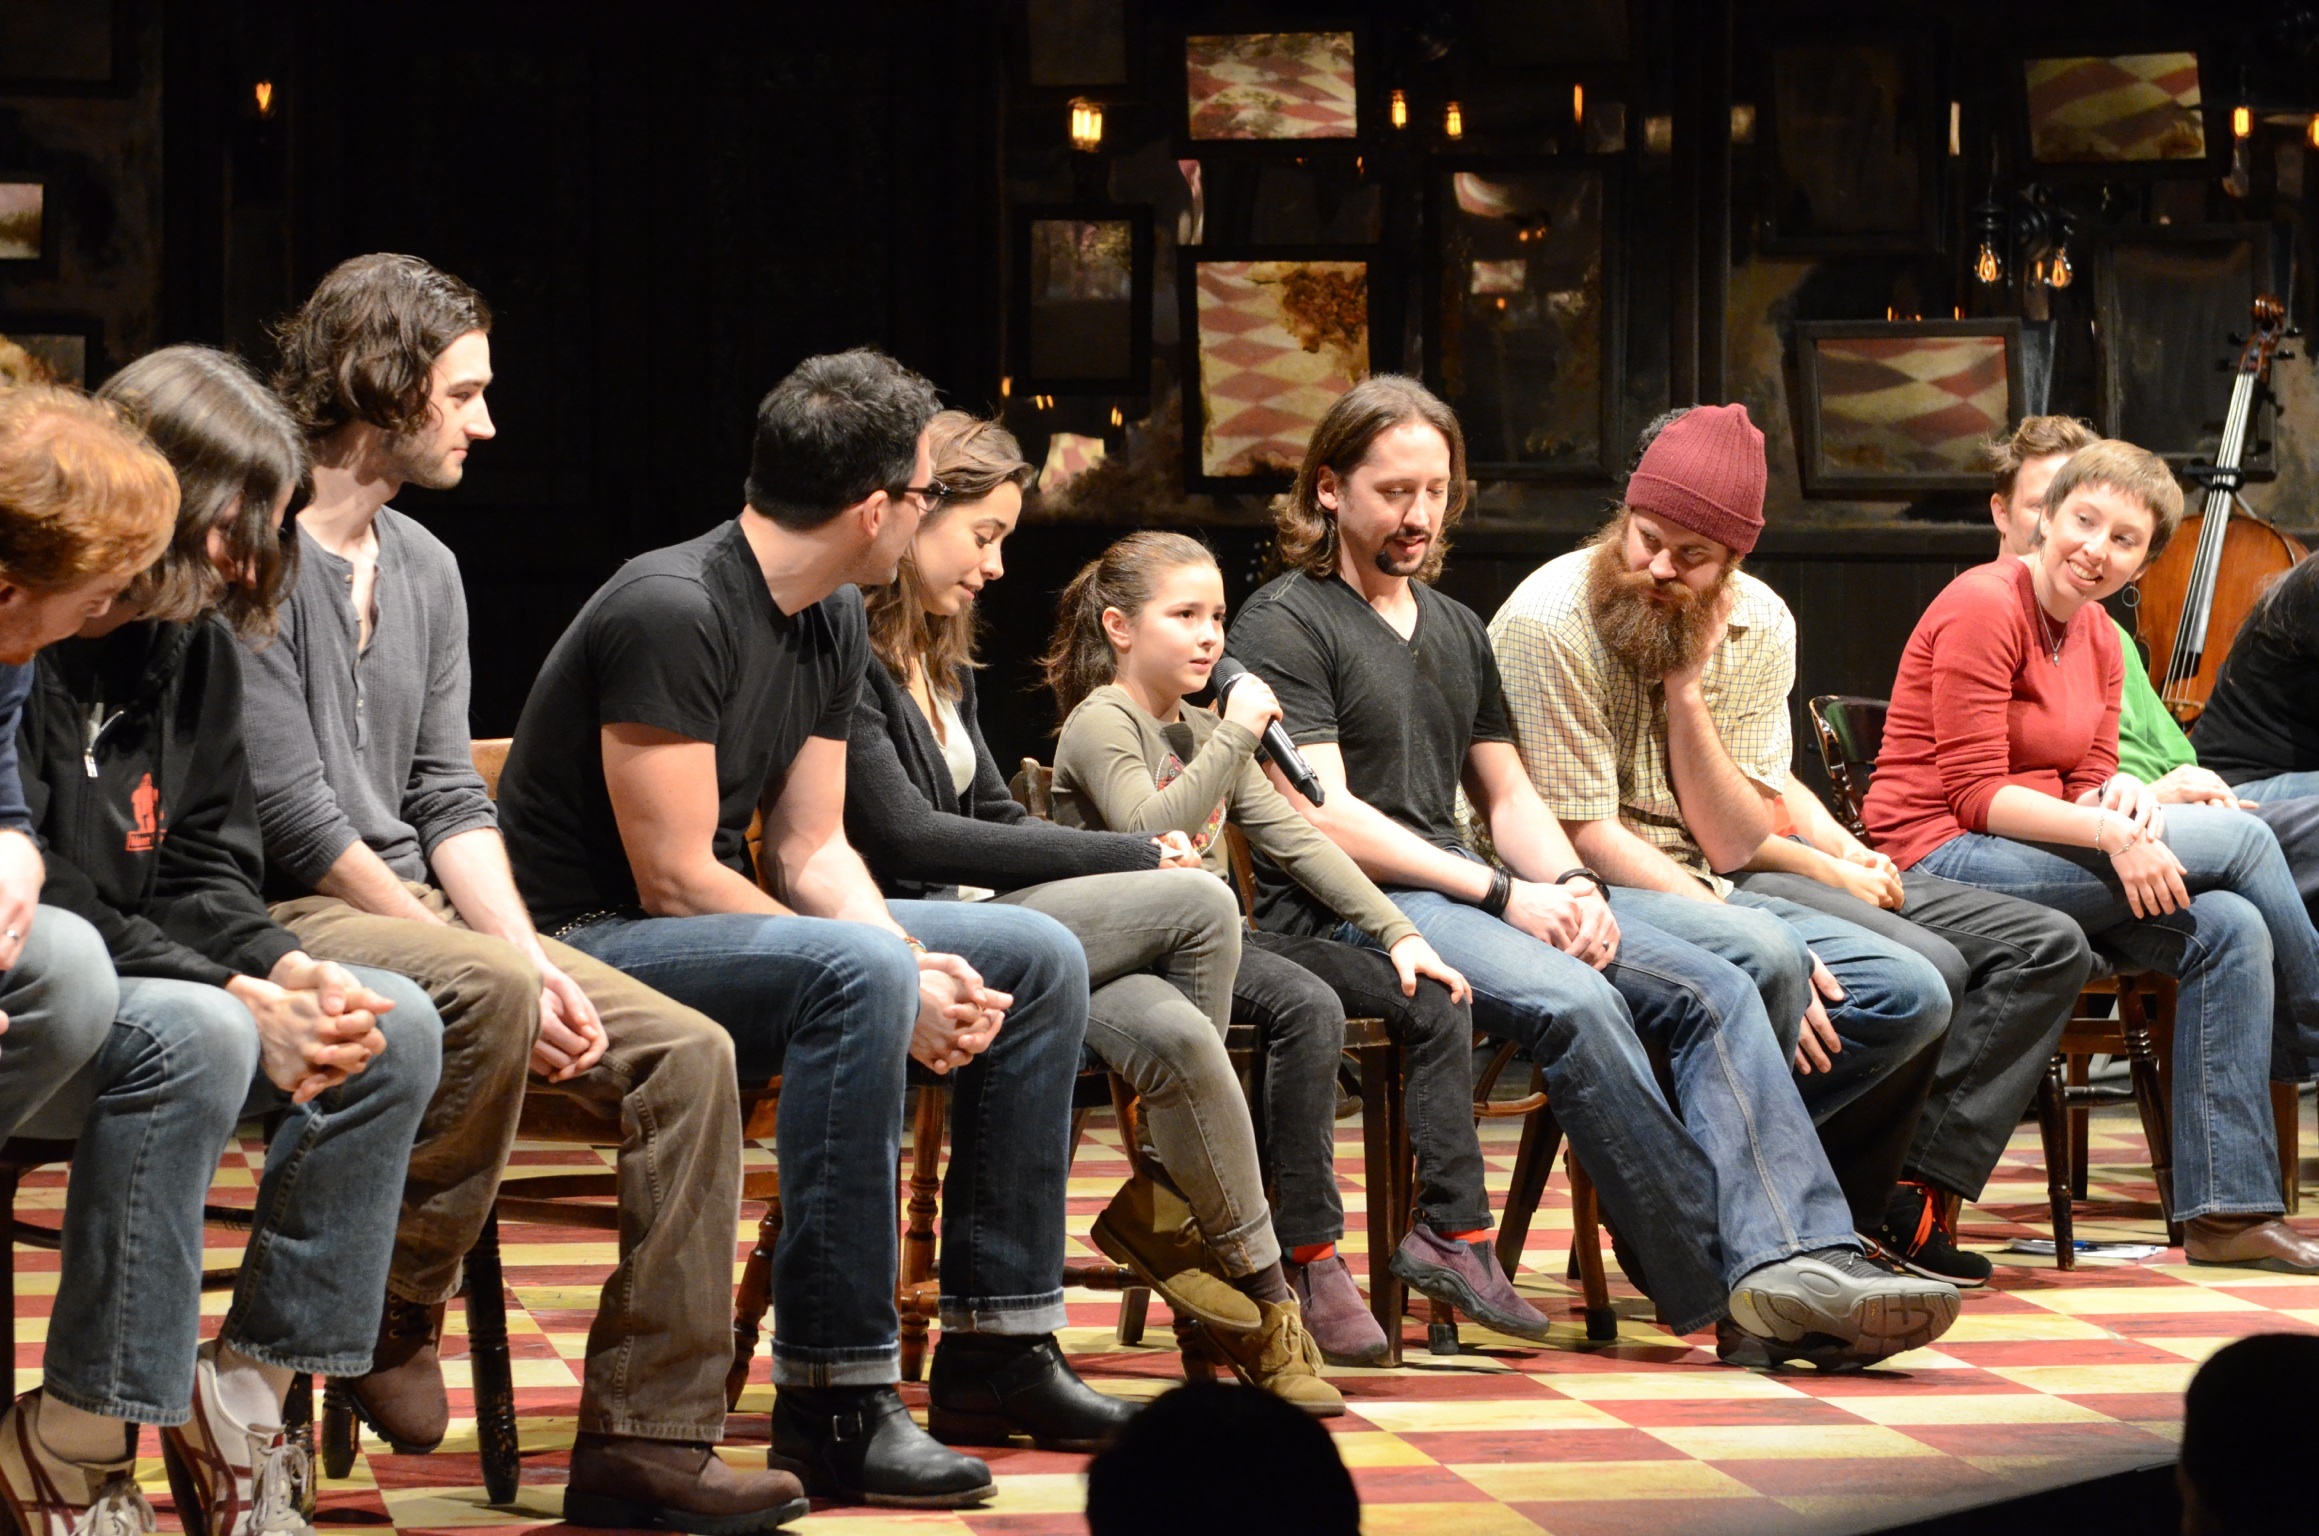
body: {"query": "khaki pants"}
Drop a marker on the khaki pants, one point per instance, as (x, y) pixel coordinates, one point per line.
(662, 1338)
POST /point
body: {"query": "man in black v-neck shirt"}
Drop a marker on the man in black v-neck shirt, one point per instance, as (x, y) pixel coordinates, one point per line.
(710, 680)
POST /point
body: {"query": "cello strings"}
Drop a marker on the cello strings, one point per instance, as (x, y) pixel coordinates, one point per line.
(2190, 629)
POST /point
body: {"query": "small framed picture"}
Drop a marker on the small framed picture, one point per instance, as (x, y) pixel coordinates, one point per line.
(1524, 336)
(51, 349)
(1268, 87)
(1903, 407)
(1082, 299)
(1850, 136)
(2168, 299)
(27, 230)
(63, 48)
(1272, 338)
(2119, 116)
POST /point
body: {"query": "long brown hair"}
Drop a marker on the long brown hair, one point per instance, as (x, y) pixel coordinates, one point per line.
(1307, 531)
(1079, 659)
(233, 446)
(973, 458)
(363, 345)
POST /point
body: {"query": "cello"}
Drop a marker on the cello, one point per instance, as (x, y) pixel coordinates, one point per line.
(2201, 589)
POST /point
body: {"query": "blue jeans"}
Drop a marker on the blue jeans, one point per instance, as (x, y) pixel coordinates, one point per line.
(830, 1007)
(1737, 1180)
(2279, 786)
(59, 998)
(2243, 944)
(152, 1111)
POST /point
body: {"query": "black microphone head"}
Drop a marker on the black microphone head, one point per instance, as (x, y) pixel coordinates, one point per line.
(1223, 675)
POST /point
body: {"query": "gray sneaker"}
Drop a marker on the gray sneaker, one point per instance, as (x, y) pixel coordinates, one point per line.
(1466, 1276)
(1837, 1296)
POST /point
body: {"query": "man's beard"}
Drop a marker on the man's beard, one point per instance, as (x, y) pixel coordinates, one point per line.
(421, 461)
(1653, 637)
(1409, 567)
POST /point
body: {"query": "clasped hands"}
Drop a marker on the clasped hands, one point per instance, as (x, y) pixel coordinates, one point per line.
(958, 1016)
(317, 1025)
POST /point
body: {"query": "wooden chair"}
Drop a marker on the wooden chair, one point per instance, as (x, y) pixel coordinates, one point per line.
(1386, 1155)
(2123, 1011)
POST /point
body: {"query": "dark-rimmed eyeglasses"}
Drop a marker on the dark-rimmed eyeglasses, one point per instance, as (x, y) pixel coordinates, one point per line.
(930, 495)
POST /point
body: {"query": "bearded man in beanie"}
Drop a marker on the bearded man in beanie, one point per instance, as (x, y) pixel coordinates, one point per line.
(1648, 678)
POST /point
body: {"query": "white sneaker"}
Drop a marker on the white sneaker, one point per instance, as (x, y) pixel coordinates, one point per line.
(49, 1496)
(230, 1479)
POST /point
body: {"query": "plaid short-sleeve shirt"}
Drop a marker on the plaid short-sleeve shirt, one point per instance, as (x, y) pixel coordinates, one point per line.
(1593, 732)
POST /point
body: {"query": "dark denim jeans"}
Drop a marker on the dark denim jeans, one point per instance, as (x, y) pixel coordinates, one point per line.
(59, 998)
(2280, 786)
(830, 1007)
(1734, 1182)
(2242, 944)
(152, 1111)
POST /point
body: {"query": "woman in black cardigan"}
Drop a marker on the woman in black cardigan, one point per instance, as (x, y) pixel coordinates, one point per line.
(928, 811)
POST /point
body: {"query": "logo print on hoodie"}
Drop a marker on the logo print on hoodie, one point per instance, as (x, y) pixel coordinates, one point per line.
(145, 804)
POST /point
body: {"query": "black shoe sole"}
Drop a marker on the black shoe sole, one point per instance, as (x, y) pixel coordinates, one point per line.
(952, 1427)
(606, 1512)
(1436, 1283)
(819, 1484)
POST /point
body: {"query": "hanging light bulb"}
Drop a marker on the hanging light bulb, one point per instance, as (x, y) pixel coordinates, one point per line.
(2242, 122)
(2058, 272)
(1453, 121)
(2313, 133)
(1578, 103)
(265, 98)
(1398, 112)
(1988, 267)
(1086, 125)
(1006, 386)
(1117, 420)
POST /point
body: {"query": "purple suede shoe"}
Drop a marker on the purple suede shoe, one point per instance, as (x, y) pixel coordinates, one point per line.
(1334, 1313)
(1466, 1276)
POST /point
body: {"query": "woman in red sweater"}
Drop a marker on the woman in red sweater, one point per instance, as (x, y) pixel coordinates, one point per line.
(2000, 768)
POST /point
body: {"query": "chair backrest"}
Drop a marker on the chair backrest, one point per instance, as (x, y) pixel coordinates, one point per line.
(1033, 787)
(1851, 732)
(491, 760)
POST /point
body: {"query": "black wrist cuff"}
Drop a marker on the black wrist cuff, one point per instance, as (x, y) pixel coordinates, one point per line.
(1501, 891)
(1582, 873)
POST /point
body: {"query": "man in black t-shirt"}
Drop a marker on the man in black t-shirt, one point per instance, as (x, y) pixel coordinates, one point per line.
(713, 680)
(2260, 729)
(1393, 694)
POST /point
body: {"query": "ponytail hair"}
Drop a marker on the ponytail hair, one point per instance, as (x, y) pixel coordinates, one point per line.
(1079, 659)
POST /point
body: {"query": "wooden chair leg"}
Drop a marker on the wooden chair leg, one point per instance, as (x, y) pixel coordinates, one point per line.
(341, 1435)
(925, 1208)
(2080, 1128)
(1533, 1163)
(493, 1373)
(298, 1428)
(1385, 1166)
(11, 1177)
(1192, 1344)
(751, 1301)
(1586, 1241)
(2053, 1129)
(1134, 1304)
(2287, 1116)
(2150, 1098)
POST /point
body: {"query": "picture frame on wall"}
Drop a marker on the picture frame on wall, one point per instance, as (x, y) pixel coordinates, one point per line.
(1850, 140)
(1304, 84)
(2136, 113)
(1272, 336)
(54, 349)
(1064, 48)
(1903, 407)
(28, 231)
(2167, 300)
(1081, 302)
(1524, 336)
(63, 48)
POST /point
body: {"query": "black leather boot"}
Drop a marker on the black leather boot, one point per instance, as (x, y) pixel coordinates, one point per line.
(988, 1388)
(860, 1444)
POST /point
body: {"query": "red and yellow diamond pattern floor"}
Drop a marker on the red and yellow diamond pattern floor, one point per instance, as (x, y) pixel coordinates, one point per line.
(2047, 1378)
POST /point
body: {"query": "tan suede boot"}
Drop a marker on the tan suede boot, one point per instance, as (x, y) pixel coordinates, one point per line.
(1148, 1228)
(1280, 1358)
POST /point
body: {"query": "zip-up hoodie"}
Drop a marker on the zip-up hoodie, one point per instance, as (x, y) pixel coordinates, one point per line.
(133, 765)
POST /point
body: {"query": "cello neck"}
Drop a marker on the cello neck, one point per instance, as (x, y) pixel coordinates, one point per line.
(2189, 647)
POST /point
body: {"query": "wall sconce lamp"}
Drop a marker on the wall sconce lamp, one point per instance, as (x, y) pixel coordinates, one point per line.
(1398, 110)
(1086, 126)
(2242, 122)
(1578, 104)
(1117, 419)
(1453, 121)
(264, 94)
(1743, 122)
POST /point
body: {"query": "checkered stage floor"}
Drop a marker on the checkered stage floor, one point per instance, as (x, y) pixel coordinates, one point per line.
(2048, 1378)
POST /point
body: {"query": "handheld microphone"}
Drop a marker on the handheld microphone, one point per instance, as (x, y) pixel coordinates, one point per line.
(1274, 743)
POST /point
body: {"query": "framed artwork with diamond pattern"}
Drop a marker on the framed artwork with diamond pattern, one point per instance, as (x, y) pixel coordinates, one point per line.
(1903, 406)
(1271, 338)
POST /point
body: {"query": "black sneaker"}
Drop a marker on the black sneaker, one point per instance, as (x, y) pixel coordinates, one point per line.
(1913, 1236)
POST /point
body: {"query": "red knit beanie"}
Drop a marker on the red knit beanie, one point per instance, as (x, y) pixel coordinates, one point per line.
(1705, 471)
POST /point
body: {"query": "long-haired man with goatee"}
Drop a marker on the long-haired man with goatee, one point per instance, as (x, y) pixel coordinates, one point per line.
(384, 849)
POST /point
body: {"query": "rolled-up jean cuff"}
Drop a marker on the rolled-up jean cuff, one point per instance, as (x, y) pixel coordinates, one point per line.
(2234, 1208)
(880, 1367)
(1014, 1316)
(653, 1429)
(343, 1367)
(1742, 1268)
(1454, 1220)
(113, 1407)
(1251, 1248)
